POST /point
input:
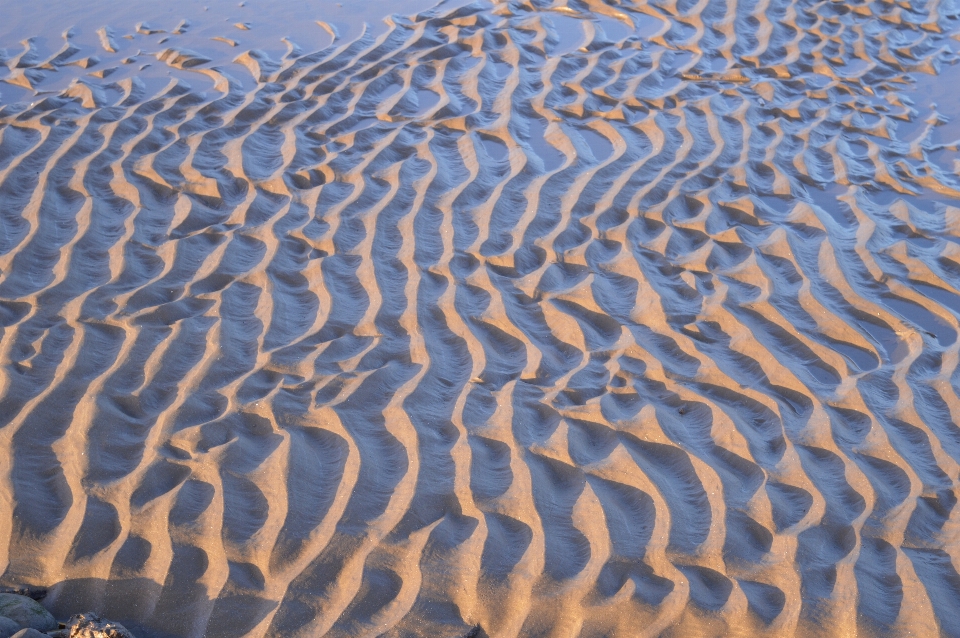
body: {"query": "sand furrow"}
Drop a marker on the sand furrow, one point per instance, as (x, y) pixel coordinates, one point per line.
(547, 318)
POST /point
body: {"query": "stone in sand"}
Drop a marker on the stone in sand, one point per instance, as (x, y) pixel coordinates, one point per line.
(37, 593)
(26, 612)
(8, 627)
(30, 633)
(90, 625)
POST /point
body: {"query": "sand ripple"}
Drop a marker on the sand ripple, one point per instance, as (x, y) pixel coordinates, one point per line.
(585, 318)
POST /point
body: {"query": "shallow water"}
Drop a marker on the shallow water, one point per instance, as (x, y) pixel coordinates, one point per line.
(549, 319)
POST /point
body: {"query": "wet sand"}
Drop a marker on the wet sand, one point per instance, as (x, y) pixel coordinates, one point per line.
(520, 319)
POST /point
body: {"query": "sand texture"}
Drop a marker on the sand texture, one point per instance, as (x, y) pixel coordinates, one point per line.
(574, 319)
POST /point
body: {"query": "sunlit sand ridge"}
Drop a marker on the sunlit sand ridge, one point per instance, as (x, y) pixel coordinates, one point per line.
(571, 319)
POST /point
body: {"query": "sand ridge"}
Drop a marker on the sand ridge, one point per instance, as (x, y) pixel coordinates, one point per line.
(570, 318)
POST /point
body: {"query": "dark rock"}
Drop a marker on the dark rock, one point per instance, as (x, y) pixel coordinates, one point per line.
(8, 627)
(37, 593)
(30, 633)
(26, 612)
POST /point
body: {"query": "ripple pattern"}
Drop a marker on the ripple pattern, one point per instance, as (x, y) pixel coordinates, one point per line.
(573, 319)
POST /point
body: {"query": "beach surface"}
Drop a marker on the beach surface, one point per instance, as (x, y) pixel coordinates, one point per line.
(571, 318)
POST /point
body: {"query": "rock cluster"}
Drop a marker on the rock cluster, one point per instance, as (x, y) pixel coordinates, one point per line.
(90, 625)
(26, 613)
(23, 617)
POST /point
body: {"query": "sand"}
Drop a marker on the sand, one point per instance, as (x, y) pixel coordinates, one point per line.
(511, 319)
